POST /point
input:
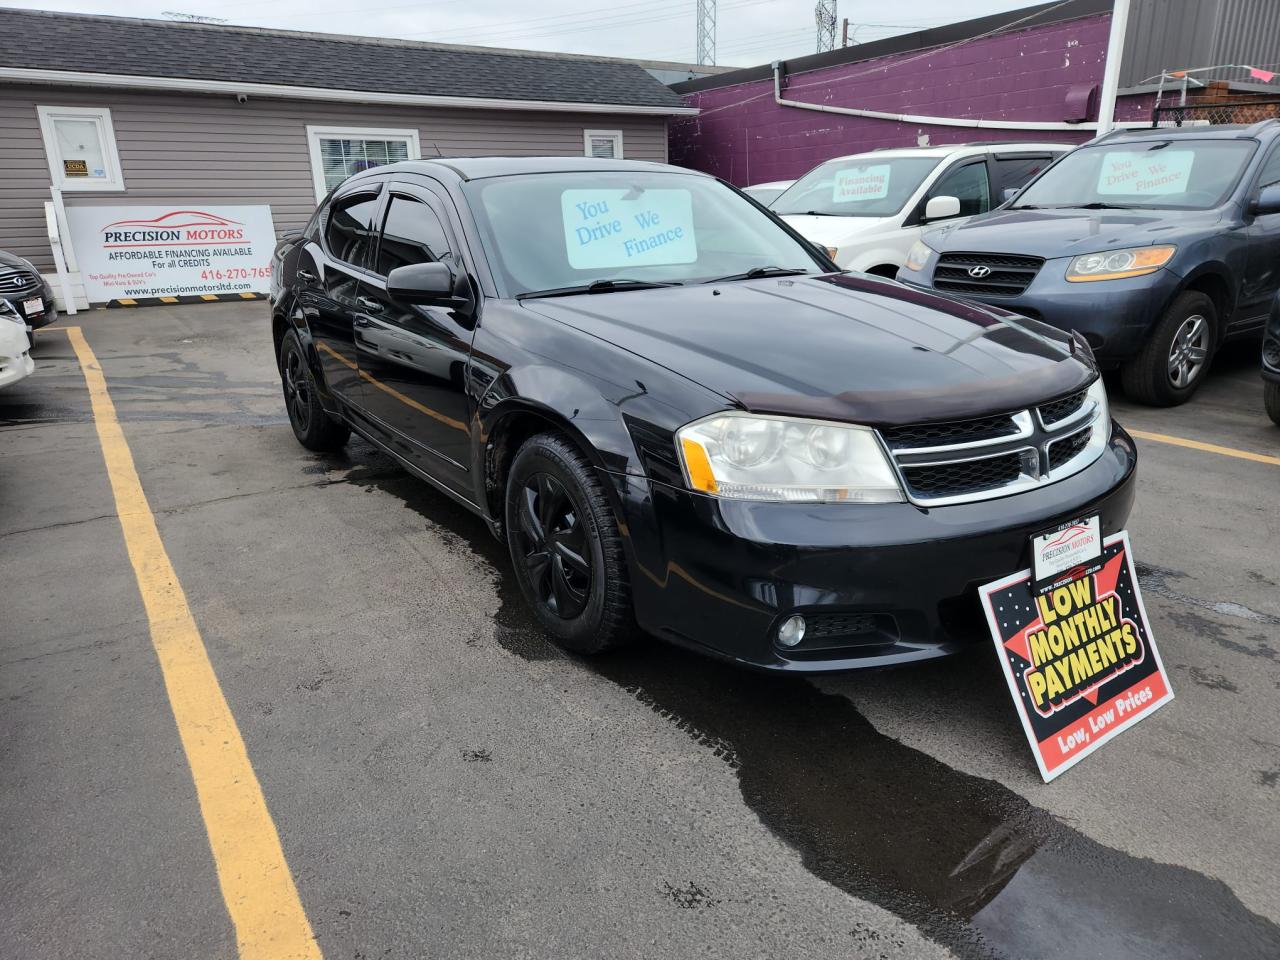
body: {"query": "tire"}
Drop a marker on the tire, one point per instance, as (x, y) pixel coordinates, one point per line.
(566, 548)
(1173, 362)
(1271, 397)
(314, 428)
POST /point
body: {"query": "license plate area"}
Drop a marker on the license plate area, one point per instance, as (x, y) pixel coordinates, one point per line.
(1065, 547)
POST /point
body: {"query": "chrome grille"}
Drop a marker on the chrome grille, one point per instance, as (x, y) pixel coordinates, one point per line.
(15, 283)
(1006, 275)
(997, 455)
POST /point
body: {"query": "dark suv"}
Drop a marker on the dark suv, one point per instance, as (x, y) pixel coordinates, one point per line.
(680, 415)
(1156, 244)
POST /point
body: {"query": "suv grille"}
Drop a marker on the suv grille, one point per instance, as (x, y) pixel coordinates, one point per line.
(15, 283)
(934, 434)
(1007, 275)
(998, 455)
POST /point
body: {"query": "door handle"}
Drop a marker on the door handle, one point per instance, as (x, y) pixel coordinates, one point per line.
(373, 306)
(307, 276)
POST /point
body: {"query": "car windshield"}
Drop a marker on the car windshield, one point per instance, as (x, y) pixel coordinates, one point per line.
(1162, 174)
(865, 186)
(553, 231)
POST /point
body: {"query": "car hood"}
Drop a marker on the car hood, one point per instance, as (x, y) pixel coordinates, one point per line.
(1068, 233)
(830, 231)
(10, 260)
(844, 346)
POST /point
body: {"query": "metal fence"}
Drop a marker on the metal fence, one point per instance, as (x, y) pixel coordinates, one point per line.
(1207, 113)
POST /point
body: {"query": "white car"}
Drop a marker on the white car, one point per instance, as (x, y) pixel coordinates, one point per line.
(15, 348)
(867, 209)
(766, 193)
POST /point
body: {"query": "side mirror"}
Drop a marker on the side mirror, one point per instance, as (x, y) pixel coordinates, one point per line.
(1268, 201)
(1008, 193)
(430, 284)
(940, 208)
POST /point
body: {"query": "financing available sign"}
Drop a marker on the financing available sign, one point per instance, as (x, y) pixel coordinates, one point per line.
(126, 253)
(1075, 646)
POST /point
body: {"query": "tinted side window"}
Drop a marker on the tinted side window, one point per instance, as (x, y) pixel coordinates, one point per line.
(349, 229)
(969, 185)
(1270, 170)
(1013, 172)
(412, 234)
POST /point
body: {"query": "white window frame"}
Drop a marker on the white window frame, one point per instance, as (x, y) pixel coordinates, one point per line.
(615, 135)
(101, 116)
(317, 133)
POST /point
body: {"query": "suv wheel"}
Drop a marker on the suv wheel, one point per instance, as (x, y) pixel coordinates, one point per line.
(1271, 397)
(1172, 363)
(314, 428)
(566, 547)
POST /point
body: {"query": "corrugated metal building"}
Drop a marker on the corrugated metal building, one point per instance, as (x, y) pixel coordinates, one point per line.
(116, 111)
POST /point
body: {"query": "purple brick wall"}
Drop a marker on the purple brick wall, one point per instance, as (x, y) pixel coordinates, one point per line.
(743, 136)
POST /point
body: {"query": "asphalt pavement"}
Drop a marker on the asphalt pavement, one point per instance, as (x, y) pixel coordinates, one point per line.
(446, 783)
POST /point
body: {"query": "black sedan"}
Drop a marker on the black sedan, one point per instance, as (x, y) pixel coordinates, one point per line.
(27, 293)
(682, 419)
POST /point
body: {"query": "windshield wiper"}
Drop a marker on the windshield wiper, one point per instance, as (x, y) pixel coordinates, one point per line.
(1095, 205)
(759, 273)
(599, 286)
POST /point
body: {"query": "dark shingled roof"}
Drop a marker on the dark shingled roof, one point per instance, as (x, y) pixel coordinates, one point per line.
(156, 48)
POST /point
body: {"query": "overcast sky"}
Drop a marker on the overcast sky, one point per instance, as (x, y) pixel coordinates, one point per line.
(749, 31)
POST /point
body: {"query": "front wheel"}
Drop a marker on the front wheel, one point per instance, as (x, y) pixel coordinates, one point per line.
(566, 546)
(1173, 362)
(314, 428)
(1271, 397)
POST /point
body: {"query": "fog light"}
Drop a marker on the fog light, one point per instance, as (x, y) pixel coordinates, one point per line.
(792, 631)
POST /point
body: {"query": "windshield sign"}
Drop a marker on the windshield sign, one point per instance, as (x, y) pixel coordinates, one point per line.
(865, 186)
(1185, 174)
(598, 231)
(861, 183)
(1146, 174)
(622, 228)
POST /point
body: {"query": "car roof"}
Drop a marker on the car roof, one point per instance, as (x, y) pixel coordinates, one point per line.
(958, 149)
(1217, 131)
(478, 168)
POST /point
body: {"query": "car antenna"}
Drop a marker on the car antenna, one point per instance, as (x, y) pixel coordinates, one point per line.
(435, 148)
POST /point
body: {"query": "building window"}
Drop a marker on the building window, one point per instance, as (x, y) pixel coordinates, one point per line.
(80, 144)
(337, 153)
(603, 143)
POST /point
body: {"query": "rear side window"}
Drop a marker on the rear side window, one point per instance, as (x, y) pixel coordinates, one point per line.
(349, 230)
(1013, 172)
(969, 185)
(412, 234)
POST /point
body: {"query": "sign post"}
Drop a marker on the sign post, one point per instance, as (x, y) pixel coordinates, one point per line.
(1076, 648)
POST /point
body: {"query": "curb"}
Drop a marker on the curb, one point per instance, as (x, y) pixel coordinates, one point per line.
(189, 298)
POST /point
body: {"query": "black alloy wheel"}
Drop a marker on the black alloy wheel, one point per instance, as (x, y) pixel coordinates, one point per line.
(566, 547)
(313, 427)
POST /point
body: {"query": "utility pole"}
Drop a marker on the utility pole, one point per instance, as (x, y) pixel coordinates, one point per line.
(825, 15)
(1111, 71)
(707, 32)
(844, 37)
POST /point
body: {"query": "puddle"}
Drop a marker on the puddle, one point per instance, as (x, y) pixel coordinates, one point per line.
(969, 862)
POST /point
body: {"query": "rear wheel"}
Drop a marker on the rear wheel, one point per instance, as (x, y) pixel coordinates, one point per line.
(1173, 362)
(566, 547)
(314, 428)
(1271, 397)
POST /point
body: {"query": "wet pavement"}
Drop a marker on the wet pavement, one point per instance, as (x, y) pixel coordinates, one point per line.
(447, 783)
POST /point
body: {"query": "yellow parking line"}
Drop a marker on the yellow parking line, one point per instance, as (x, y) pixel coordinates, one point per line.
(256, 883)
(1206, 447)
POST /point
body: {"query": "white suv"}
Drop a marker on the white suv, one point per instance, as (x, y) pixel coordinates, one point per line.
(867, 209)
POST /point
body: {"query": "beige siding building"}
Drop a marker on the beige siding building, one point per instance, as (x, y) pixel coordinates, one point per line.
(131, 112)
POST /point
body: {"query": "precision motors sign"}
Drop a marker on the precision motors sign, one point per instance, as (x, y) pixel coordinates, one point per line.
(132, 252)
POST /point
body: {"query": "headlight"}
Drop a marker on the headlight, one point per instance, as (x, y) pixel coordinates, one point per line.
(918, 255)
(743, 457)
(1098, 394)
(1118, 264)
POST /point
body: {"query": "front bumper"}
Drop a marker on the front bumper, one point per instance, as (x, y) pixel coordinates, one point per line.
(721, 575)
(1113, 315)
(34, 321)
(16, 368)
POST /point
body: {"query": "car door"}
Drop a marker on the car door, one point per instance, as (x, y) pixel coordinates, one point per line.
(1262, 263)
(329, 272)
(413, 358)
